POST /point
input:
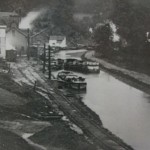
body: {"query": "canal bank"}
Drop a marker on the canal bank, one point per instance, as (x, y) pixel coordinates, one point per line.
(30, 118)
(123, 109)
(135, 79)
(93, 132)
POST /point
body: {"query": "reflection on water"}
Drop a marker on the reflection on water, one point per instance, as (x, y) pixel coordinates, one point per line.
(123, 109)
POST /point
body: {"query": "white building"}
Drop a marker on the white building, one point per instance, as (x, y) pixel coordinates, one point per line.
(17, 38)
(57, 41)
(3, 41)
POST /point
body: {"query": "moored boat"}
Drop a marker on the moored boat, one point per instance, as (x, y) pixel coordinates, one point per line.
(82, 66)
(62, 75)
(91, 67)
(70, 80)
(75, 82)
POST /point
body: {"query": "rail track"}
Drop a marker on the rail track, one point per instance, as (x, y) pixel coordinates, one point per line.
(104, 139)
(94, 122)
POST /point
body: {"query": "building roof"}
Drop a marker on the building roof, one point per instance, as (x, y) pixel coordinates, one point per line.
(8, 14)
(3, 27)
(58, 38)
(21, 31)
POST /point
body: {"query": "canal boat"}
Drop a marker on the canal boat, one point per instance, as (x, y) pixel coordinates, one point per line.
(82, 66)
(62, 75)
(71, 80)
(56, 64)
(91, 67)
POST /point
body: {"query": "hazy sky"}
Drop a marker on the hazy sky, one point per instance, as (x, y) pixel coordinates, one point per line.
(145, 2)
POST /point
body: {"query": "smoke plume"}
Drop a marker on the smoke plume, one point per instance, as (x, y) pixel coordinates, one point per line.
(26, 22)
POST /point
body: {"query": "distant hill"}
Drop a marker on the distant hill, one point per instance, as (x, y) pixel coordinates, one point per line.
(100, 5)
(24, 5)
(80, 5)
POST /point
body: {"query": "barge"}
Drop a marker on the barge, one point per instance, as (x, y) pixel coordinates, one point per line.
(81, 66)
(72, 81)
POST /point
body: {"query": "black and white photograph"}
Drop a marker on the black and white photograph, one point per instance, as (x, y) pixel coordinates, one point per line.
(74, 74)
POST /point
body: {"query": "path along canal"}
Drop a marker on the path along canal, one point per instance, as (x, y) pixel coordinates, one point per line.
(123, 109)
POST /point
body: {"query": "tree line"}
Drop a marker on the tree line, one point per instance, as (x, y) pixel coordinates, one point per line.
(133, 27)
(131, 17)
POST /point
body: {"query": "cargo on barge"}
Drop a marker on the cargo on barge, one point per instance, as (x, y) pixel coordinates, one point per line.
(70, 80)
(81, 66)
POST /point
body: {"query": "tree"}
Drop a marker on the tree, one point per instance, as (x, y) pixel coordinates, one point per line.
(133, 22)
(102, 36)
(63, 13)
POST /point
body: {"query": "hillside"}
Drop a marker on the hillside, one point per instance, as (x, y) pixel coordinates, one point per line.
(25, 5)
(132, 21)
(130, 17)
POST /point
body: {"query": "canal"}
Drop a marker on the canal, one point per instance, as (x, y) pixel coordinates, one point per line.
(124, 110)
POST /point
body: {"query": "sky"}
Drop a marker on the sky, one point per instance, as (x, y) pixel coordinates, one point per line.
(144, 2)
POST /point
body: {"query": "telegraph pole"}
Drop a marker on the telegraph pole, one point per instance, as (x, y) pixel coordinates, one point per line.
(28, 50)
(44, 59)
(49, 62)
(29, 37)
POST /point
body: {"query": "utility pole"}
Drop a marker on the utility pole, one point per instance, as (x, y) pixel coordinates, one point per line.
(49, 62)
(28, 39)
(44, 59)
(38, 51)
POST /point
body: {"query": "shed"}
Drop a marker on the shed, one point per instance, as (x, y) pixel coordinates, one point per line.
(11, 55)
(57, 41)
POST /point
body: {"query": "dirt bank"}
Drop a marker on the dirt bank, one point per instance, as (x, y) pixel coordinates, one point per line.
(79, 121)
(138, 80)
(30, 121)
(11, 141)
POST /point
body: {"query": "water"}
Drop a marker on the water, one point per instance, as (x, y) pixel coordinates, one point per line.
(123, 109)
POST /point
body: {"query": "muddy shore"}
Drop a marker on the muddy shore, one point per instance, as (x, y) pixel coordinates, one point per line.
(40, 107)
(29, 121)
(72, 108)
